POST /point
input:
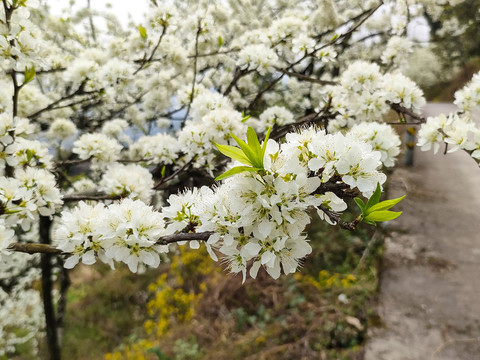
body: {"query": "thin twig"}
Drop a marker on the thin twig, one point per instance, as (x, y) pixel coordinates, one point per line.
(72, 162)
(403, 110)
(306, 78)
(195, 64)
(80, 91)
(128, 161)
(354, 27)
(263, 91)
(376, 237)
(150, 58)
(239, 73)
(172, 176)
(332, 42)
(450, 342)
(214, 53)
(92, 26)
(335, 217)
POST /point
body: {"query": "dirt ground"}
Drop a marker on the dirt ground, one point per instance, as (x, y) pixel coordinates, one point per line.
(429, 300)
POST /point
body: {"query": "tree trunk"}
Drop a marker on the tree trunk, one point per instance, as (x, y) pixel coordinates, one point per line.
(47, 288)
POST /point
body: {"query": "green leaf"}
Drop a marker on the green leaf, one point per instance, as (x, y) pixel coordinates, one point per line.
(360, 204)
(234, 153)
(267, 136)
(249, 153)
(253, 142)
(236, 170)
(220, 41)
(334, 38)
(370, 222)
(245, 118)
(384, 215)
(375, 198)
(164, 168)
(29, 75)
(143, 32)
(385, 205)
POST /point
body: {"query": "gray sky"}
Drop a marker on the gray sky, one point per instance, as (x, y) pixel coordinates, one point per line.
(123, 9)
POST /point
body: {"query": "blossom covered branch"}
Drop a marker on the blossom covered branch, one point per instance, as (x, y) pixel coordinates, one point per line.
(116, 140)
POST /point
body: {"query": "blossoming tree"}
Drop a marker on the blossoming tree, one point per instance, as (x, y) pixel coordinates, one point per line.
(117, 145)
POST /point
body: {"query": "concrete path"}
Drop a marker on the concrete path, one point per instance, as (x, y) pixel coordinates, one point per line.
(429, 300)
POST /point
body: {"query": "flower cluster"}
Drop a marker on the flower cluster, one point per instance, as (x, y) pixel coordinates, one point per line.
(459, 131)
(131, 180)
(397, 51)
(101, 148)
(126, 231)
(468, 98)
(260, 217)
(364, 94)
(163, 97)
(381, 137)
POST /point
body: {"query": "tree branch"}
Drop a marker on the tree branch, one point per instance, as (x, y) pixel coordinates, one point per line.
(335, 217)
(306, 78)
(403, 110)
(215, 53)
(172, 176)
(150, 58)
(90, 196)
(49, 249)
(195, 64)
(53, 105)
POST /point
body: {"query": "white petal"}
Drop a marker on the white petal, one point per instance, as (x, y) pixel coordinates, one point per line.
(268, 258)
(71, 262)
(89, 258)
(252, 249)
(194, 244)
(211, 252)
(132, 262)
(147, 257)
(274, 271)
(254, 269)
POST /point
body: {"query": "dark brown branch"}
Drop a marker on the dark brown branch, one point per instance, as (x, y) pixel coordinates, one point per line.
(306, 78)
(195, 64)
(369, 36)
(342, 190)
(172, 176)
(215, 53)
(47, 290)
(150, 58)
(90, 20)
(354, 27)
(30, 248)
(403, 110)
(72, 162)
(263, 91)
(163, 240)
(335, 217)
(281, 132)
(62, 302)
(239, 73)
(171, 239)
(90, 196)
(16, 90)
(128, 161)
(52, 106)
(40, 72)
